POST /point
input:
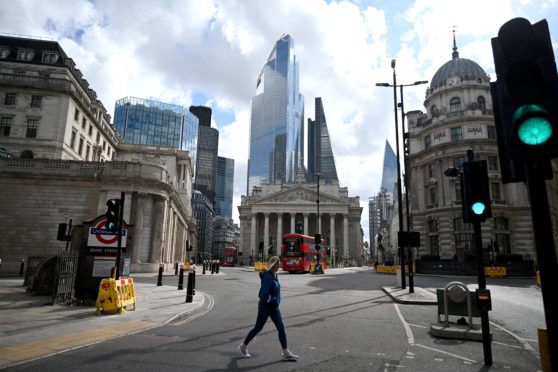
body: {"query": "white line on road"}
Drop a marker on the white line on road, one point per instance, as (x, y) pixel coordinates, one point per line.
(522, 341)
(445, 352)
(209, 307)
(410, 337)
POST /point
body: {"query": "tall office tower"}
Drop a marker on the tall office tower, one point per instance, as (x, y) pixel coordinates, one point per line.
(147, 122)
(389, 172)
(208, 146)
(320, 154)
(224, 187)
(277, 120)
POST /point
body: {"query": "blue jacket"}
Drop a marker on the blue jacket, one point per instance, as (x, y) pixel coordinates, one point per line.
(270, 290)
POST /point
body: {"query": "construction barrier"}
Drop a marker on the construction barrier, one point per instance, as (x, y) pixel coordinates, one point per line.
(115, 295)
(495, 272)
(392, 269)
(538, 278)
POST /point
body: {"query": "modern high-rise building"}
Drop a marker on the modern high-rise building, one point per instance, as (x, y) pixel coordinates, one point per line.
(146, 122)
(277, 120)
(389, 171)
(208, 147)
(320, 153)
(224, 187)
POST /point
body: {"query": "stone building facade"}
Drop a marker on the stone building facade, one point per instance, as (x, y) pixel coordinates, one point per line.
(459, 117)
(274, 210)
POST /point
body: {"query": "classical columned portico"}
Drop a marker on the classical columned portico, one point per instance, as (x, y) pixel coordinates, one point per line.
(346, 235)
(266, 233)
(253, 235)
(305, 223)
(279, 233)
(292, 222)
(332, 235)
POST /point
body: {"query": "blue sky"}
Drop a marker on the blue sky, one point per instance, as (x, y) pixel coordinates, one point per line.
(210, 52)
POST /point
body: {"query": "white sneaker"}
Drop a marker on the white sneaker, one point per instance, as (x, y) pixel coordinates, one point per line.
(244, 351)
(290, 356)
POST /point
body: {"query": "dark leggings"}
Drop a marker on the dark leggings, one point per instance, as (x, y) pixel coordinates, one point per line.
(265, 311)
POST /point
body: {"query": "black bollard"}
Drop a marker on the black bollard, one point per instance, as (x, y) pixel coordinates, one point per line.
(203, 270)
(21, 267)
(181, 280)
(194, 282)
(189, 289)
(160, 277)
(212, 267)
(176, 268)
(217, 264)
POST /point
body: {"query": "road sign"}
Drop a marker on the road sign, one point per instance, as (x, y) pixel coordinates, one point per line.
(101, 237)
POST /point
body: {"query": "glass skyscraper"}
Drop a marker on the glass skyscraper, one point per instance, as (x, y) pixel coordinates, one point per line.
(320, 153)
(225, 187)
(147, 122)
(277, 118)
(389, 173)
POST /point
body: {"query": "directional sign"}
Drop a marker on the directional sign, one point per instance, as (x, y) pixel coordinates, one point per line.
(99, 236)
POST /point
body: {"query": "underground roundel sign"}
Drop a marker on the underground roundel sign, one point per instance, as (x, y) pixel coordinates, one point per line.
(99, 236)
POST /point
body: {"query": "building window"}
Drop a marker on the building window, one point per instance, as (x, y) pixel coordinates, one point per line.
(455, 104)
(463, 235)
(433, 197)
(32, 127)
(80, 147)
(5, 126)
(10, 99)
(427, 142)
(76, 115)
(90, 130)
(456, 134)
(83, 123)
(87, 151)
(491, 131)
(482, 103)
(492, 163)
(36, 101)
(104, 145)
(73, 138)
(458, 192)
(433, 244)
(501, 229)
(495, 193)
(432, 170)
(98, 137)
(50, 57)
(458, 162)
(24, 55)
(4, 53)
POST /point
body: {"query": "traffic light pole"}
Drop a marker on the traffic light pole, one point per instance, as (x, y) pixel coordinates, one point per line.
(485, 326)
(119, 244)
(546, 254)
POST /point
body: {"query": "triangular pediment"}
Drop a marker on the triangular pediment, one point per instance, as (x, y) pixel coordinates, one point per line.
(299, 195)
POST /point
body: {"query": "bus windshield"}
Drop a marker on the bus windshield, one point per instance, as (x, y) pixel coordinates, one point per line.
(292, 247)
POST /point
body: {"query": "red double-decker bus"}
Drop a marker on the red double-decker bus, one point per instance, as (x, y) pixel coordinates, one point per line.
(229, 256)
(299, 252)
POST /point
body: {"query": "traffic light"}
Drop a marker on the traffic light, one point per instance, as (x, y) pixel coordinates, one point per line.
(475, 191)
(317, 239)
(112, 215)
(525, 92)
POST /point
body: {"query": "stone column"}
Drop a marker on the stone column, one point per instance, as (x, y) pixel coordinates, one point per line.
(345, 235)
(305, 223)
(332, 236)
(242, 230)
(266, 234)
(292, 223)
(157, 228)
(253, 236)
(319, 224)
(138, 228)
(279, 233)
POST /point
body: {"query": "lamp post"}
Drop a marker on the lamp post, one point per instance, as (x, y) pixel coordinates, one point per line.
(399, 192)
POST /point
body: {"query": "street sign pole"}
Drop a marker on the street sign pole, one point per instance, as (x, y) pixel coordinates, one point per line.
(119, 231)
(485, 326)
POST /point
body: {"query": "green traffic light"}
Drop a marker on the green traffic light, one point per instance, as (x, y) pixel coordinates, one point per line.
(478, 208)
(534, 127)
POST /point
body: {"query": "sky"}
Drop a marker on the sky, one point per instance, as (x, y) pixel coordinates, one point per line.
(210, 52)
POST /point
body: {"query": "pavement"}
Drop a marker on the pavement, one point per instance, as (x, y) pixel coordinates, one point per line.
(420, 296)
(31, 328)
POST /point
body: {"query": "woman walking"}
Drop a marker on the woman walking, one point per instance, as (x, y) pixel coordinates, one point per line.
(268, 307)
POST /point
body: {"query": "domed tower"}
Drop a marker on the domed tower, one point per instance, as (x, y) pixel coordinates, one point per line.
(459, 117)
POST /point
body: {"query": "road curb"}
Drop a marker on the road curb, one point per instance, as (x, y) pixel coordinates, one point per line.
(420, 297)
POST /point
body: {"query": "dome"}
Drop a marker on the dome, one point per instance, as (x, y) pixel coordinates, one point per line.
(461, 67)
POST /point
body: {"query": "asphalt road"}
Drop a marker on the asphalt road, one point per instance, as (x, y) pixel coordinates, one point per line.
(341, 321)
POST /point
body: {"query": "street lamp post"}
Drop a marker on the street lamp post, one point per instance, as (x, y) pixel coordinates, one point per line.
(318, 221)
(399, 192)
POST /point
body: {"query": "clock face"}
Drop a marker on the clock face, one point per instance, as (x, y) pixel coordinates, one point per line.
(453, 80)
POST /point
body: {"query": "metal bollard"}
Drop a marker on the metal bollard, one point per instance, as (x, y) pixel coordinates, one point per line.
(212, 267)
(176, 268)
(194, 283)
(217, 264)
(160, 277)
(181, 280)
(21, 267)
(203, 271)
(189, 288)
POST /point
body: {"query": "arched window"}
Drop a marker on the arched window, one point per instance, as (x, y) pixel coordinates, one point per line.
(434, 111)
(482, 103)
(455, 104)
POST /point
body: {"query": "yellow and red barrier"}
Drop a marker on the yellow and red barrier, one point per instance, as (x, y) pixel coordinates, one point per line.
(115, 295)
(495, 271)
(260, 266)
(392, 269)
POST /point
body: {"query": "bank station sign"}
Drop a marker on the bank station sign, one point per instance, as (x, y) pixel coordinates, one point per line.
(102, 241)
